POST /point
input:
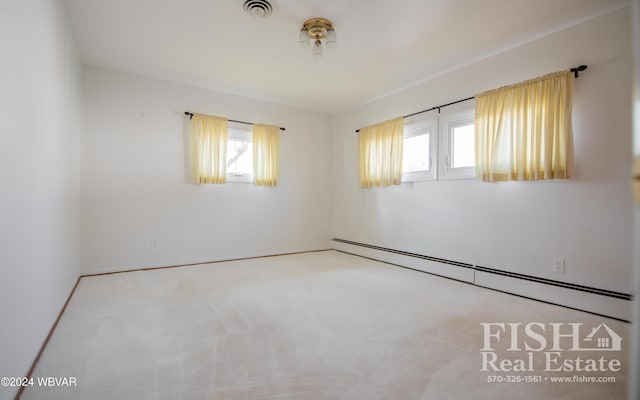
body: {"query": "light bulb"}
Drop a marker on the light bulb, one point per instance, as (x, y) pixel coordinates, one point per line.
(304, 38)
(332, 40)
(317, 49)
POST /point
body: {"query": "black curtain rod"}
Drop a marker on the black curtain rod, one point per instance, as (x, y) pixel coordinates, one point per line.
(190, 114)
(575, 71)
(433, 108)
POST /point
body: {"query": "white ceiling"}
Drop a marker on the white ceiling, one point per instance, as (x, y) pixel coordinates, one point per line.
(383, 45)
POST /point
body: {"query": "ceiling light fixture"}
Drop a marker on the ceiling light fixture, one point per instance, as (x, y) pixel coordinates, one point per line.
(258, 8)
(315, 30)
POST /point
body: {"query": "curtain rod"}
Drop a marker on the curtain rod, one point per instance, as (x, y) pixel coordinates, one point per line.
(190, 114)
(575, 71)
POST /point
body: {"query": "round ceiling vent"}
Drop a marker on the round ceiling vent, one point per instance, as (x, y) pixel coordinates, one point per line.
(258, 8)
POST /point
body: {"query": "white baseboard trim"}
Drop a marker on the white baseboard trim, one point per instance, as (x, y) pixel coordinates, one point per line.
(175, 264)
(593, 300)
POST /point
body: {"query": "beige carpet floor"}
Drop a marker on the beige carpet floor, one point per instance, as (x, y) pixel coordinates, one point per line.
(322, 325)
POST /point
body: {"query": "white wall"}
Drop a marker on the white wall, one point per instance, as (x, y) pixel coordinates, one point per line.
(39, 143)
(136, 187)
(513, 226)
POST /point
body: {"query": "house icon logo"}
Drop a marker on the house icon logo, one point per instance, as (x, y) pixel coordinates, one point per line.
(602, 338)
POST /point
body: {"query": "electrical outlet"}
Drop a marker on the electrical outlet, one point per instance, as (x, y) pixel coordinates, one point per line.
(558, 265)
(154, 243)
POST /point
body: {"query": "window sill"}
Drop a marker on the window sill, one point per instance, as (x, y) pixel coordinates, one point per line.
(239, 179)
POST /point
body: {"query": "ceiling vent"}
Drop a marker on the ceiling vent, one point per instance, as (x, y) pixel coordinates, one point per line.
(258, 8)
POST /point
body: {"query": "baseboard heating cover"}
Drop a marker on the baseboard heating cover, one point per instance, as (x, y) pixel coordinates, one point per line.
(593, 300)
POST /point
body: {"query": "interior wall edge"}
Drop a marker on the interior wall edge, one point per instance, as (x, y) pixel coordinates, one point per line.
(132, 268)
(29, 373)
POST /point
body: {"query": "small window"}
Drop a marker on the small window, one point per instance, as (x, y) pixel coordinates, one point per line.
(240, 154)
(419, 151)
(457, 148)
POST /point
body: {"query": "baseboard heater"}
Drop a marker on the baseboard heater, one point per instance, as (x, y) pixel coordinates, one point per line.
(597, 301)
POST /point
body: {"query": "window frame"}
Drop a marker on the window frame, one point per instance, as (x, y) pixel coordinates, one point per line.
(240, 132)
(447, 123)
(418, 127)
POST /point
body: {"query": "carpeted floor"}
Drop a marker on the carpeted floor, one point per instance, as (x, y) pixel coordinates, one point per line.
(313, 326)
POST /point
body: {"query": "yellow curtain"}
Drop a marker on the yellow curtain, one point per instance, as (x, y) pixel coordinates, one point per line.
(266, 152)
(209, 136)
(523, 132)
(380, 153)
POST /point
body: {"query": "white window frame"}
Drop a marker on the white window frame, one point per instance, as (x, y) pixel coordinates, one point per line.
(418, 128)
(447, 123)
(240, 132)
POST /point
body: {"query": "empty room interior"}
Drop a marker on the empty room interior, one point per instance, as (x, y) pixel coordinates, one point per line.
(305, 199)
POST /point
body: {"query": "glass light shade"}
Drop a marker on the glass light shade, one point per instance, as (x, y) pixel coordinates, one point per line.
(332, 40)
(304, 38)
(317, 49)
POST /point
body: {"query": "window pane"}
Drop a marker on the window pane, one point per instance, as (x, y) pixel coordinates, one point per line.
(239, 157)
(415, 153)
(463, 154)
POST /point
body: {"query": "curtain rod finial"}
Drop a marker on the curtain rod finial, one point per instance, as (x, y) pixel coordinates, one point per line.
(578, 69)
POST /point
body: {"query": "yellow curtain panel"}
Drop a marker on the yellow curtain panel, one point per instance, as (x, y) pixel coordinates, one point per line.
(209, 138)
(266, 153)
(380, 153)
(523, 132)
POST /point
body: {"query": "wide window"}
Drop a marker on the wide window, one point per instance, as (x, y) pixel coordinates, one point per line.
(436, 146)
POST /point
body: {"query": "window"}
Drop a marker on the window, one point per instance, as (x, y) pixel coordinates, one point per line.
(435, 147)
(240, 153)
(419, 151)
(457, 145)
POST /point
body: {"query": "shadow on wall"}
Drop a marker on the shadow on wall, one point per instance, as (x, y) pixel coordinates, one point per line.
(187, 149)
(600, 145)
